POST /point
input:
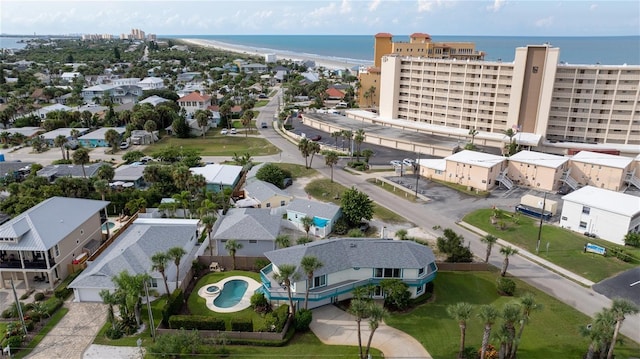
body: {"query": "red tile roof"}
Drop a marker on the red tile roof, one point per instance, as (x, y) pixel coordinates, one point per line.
(214, 108)
(334, 92)
(420, 35)
(195, 96)
(383, 34)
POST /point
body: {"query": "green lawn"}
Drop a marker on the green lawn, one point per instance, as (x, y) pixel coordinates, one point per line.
(551, 332)
(392, 189)
(297, 171)
(218, 145)
(565, 247)
(261, 103)
(197, 305)
(325, 190)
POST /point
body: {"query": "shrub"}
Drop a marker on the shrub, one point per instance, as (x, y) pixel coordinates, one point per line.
(14, 341)
(259, 303)
(621, 254)
(341, 226)
(29, 324)
(241, 325)
(261, 262)
(39, 296)
(7, 313)
(173, 305)
(113, 333)
(27, 307)
(281, 314)
(452, 245)
(303, 319)
(62, 292)
(632, 239)
(199, 322)
(506, 286)
(52, 305)
(397, 295)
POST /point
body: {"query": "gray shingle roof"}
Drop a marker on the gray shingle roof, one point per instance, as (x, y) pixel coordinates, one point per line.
(70, 170)
(345, 253)
(129, 173)
(262, 191)
(132, 251)
(248, 224)
(47, 223)
(313, 208)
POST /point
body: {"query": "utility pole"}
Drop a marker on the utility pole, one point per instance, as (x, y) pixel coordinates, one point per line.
(416, 168)
(15, 296)
(544, 203)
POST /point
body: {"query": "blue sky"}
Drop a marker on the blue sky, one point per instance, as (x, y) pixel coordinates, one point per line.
(340, 17)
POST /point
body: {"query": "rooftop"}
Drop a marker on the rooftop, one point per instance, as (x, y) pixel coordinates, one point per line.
(219, 174)
(602, 159)
(607, 200)
(313, 208)
(539, 159)
(475, 158)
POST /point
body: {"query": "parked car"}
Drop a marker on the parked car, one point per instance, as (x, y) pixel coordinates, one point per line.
(287, 182)
(224, 131)
(364, 227)
(233, 131)
(124, 145)
(408, 162)
(315, 138)
(396, 163)
(264, 125)
(263, 96)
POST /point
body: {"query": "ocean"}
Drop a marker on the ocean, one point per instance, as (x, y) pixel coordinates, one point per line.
(616, 50)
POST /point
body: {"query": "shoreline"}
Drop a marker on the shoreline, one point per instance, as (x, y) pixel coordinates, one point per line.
(321, 61)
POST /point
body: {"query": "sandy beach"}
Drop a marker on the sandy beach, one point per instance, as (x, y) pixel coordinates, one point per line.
(329, 63)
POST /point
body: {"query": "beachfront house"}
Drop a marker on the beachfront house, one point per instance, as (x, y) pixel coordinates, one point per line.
(349, 263)
(324, 215)
(40, 244)
(132, 251)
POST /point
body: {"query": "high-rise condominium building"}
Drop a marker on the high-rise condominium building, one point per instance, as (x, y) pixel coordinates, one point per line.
(533, 94)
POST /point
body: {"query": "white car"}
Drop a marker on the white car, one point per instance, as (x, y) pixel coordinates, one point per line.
(124, 145)
(408, 162)
(233, 131)
(396, 163)
(224, 131)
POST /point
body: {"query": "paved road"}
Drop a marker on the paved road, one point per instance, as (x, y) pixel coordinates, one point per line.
(586, 300)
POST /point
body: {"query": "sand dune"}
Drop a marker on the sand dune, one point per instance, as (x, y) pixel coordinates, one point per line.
(330, 63)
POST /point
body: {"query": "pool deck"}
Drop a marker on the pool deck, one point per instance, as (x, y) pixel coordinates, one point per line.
(244, 303)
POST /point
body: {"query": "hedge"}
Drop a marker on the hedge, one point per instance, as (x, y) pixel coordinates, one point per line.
(173, 305)
(241, 325)
(199, 322)
(53, 304)
(281, 315)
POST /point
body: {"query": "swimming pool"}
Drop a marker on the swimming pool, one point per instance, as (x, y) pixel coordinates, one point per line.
(110, 224)
(231, 293)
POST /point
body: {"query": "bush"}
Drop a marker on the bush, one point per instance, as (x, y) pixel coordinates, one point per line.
(29, 324)
(173, 305)
(341, 227)
(506, 286)
(113, 333)
(33, 315)
(632, 239)
(199, 322)
(281, 314)
(452, 245)
(62, 292)
(241, 325)
(14, 341)
(621, 254)
(53, 304)
(39, 296)
(7, 313)
(259, 303)
(303, 319)
(397, 295)
(261, 262)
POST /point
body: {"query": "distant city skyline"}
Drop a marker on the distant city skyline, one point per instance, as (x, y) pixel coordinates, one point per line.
(340, 17)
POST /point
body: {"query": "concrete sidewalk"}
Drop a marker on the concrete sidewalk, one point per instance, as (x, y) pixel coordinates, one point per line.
(336, 327)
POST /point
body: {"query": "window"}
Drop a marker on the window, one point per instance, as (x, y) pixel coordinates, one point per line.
(378, 292)
(319, 281)
(586, 210)
(153, 283)
(282, 203)
(56, 250)
(388, 273)
(420, 289)
(583, 225)
(253, 241)
(534, 70)
(420, 271)
(268, 204)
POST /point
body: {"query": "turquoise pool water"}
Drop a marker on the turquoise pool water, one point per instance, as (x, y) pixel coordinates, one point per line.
(231, 293)
(110, 224)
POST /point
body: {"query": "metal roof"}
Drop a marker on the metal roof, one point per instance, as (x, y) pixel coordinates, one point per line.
(313, 208)
(219, 174)
(476, 158)
(602, 159)
(606, 200)
(539, 159)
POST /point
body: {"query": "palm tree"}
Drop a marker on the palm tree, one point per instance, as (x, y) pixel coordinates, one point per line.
(511, 314)
(309, 265)
(208, 221)
(102, 186)
(461, 312)
(183, 198)
(81, 157)
(303, 146)
(331, 159)
(620, 308)
(247, 117)
(112, 137)
(286, 274)
(358, 138)
(348, 134)
(202, 117)
(176, 254)
(473, 133)
(283, 241)
(490, 240)
(60, 141)
(507, 252)
(600, 333)
(528, 304)
(150, 126)
(359, 309)
(336, 135)
(314, 148)
(110, 299)
(306, 222)
(159, 263)
(488, 314)
(232, 246)
(376, 314)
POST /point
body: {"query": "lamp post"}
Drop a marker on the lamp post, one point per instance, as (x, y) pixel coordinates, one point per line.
(544, 202)
(416, 167)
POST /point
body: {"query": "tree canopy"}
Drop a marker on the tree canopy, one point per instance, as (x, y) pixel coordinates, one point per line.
(356, 206)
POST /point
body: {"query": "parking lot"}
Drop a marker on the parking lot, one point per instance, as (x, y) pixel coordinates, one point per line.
(624, 285)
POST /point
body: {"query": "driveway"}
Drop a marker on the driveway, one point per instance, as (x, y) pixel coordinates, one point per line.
(336, 327)
(74, 333)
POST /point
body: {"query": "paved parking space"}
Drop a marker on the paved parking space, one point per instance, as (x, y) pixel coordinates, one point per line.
(624, 285)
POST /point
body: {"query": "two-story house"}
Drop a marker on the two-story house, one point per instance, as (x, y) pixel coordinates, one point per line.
(40, 243)
(349, 263)
(193, 102)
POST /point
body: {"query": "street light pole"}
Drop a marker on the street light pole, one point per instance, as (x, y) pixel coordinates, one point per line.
(544, 203)
(416, 168)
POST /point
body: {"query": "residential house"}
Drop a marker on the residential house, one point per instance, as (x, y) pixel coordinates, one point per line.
(264, 195)
(219, 177)
(142, 137)
(188, 77)
(153, 100)
(44, 111)
(96, 138)
(251, 68)
(44, 240)
(132, 252)
(334, 94)
(255, 228)
(324, 215)
(132, 173)
(600, 169)
(193, 102)
(28, 132)
(50, 137)
(151, 83)
(68, 77)
(349, 263)
(537, 170)
(607, 214)
(53, 172)
(117, 94)
(12, 171)
(125, 81)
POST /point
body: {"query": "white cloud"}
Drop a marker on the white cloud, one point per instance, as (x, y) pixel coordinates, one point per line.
(593, 7)
(323, 11)
(345, 7)
(544, 22)
(429, 5)
(373, 6)
(496, 6)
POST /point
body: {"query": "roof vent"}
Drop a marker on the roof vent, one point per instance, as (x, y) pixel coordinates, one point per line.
(352, 245)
